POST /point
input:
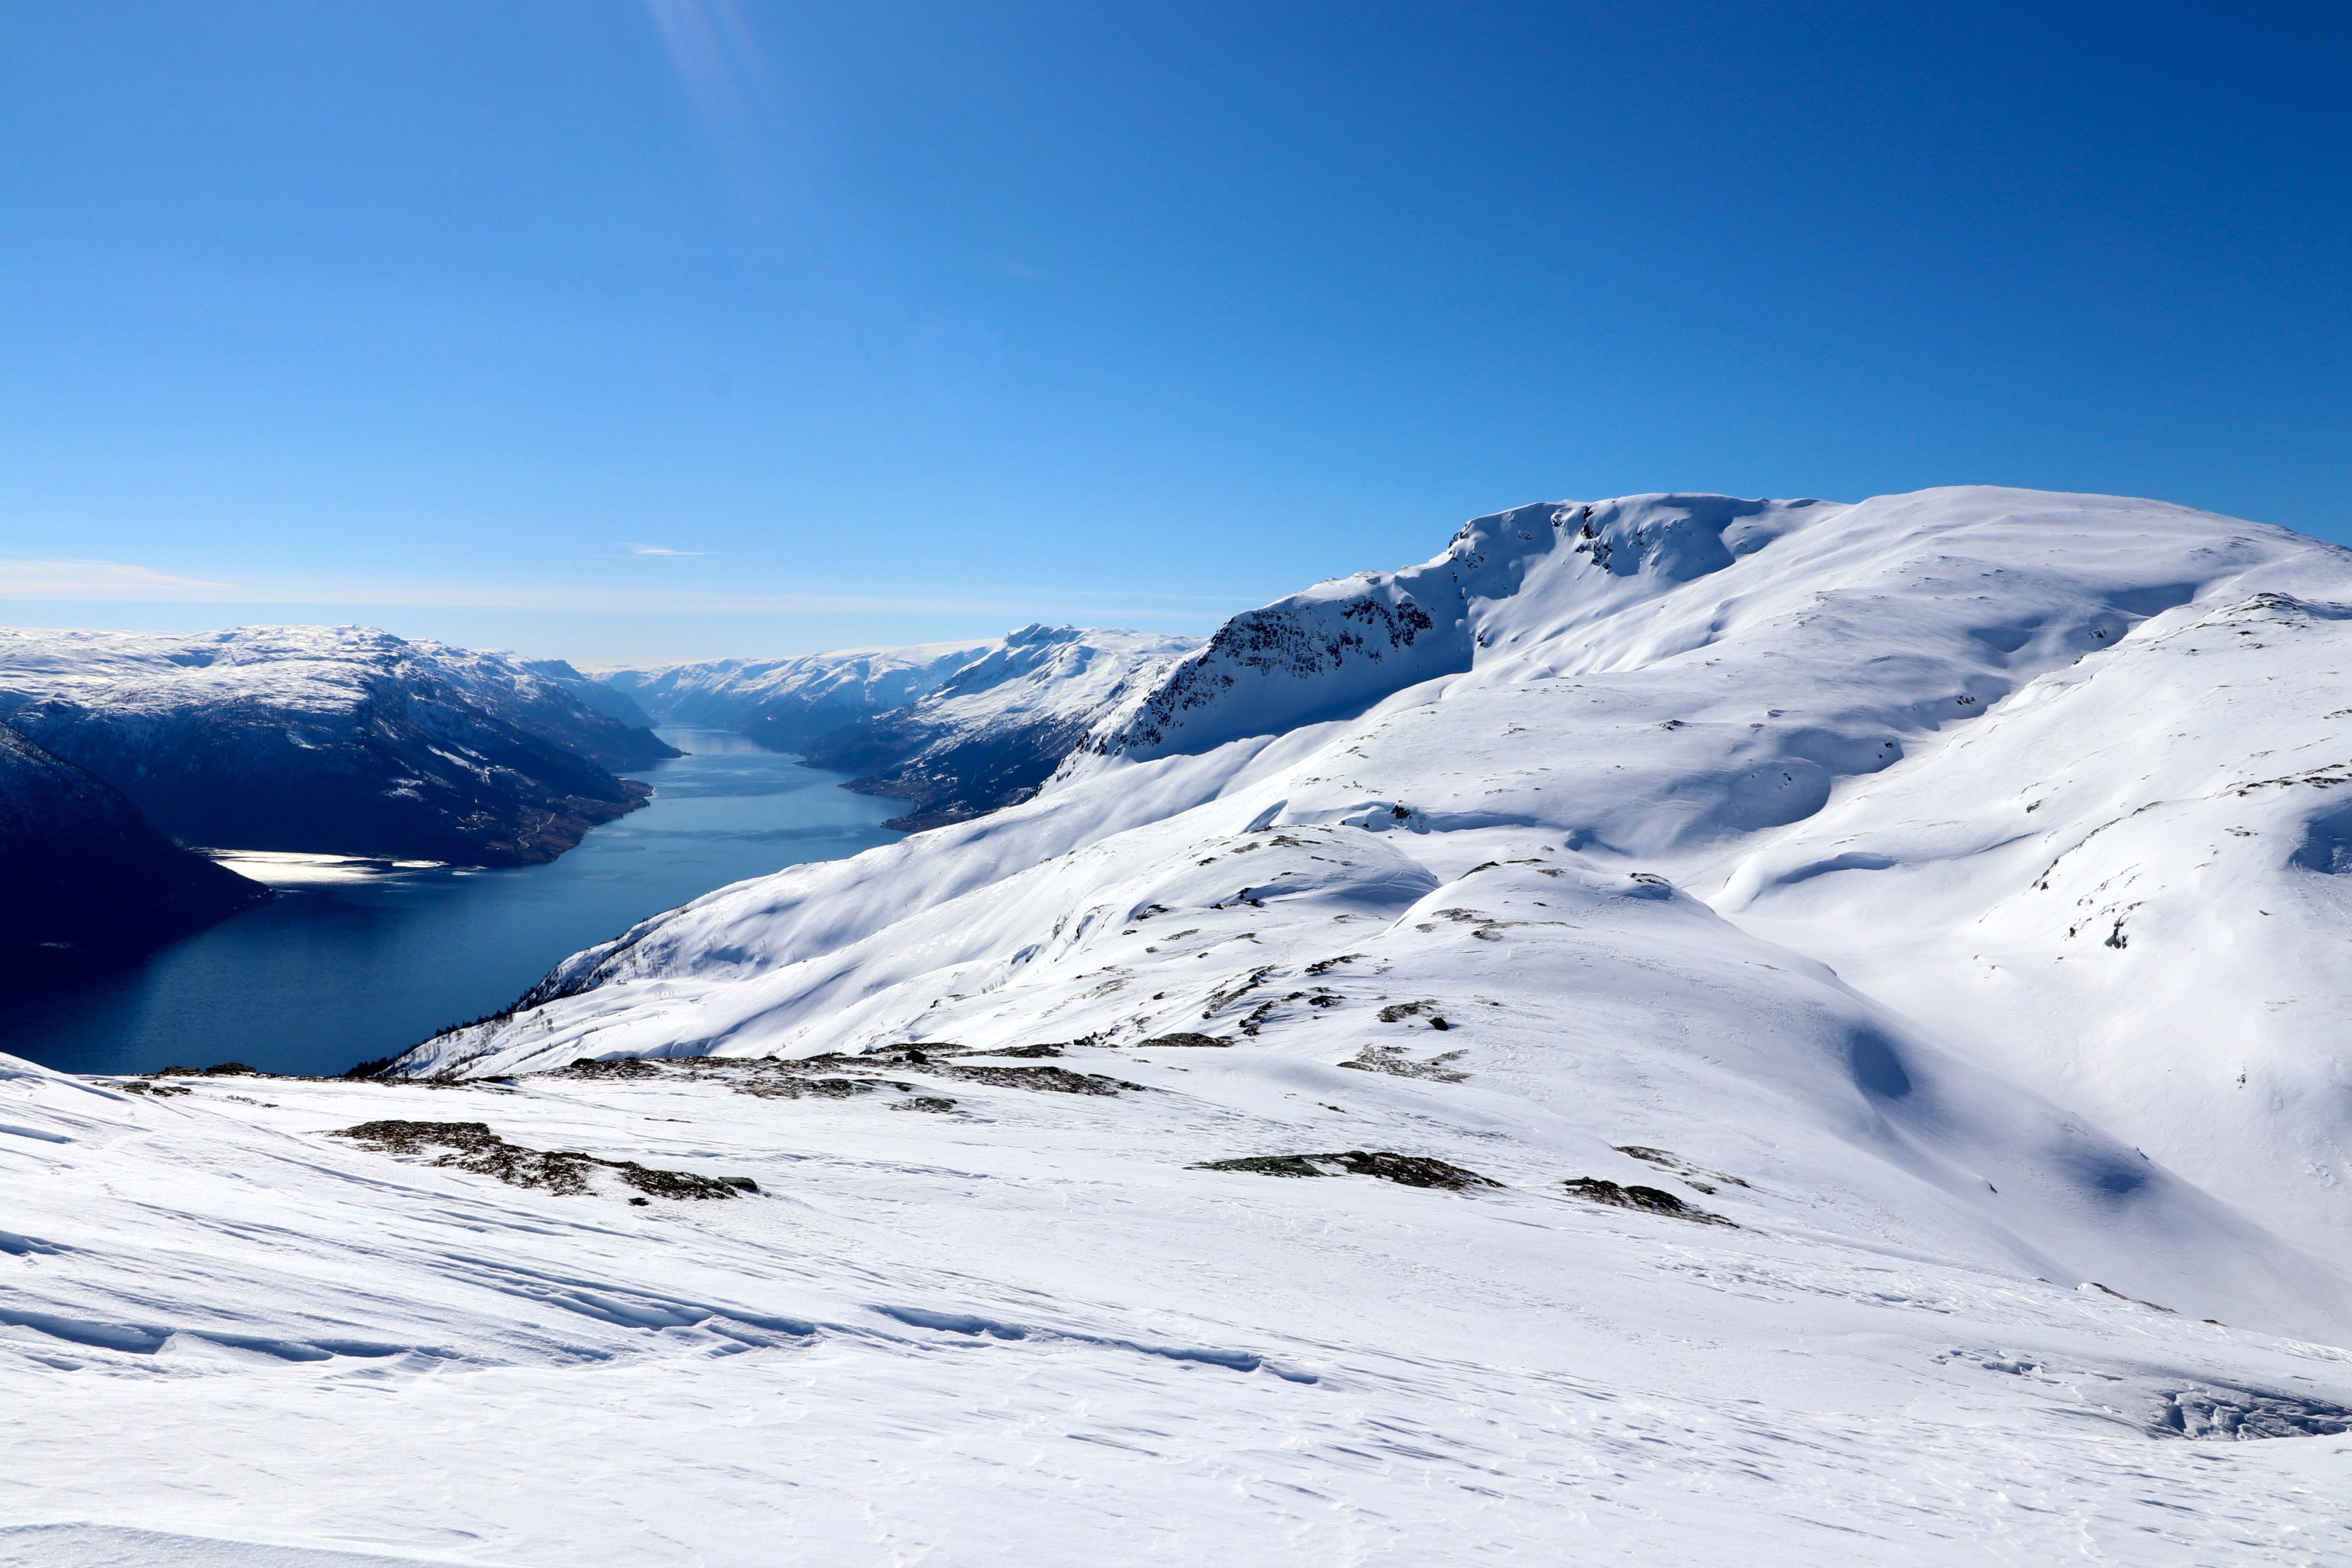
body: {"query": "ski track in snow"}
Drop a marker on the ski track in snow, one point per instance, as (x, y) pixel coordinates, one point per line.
(1943, 891)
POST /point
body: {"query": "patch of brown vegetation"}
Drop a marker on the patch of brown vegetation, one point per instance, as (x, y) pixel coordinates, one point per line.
(1405, 1170)
(1649, 1200)
(472, 1147)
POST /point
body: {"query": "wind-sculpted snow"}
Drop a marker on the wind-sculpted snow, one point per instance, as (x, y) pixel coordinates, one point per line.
(1815, 1024)
(331, 738)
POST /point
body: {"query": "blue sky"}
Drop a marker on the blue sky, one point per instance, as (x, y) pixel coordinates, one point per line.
(638, 328)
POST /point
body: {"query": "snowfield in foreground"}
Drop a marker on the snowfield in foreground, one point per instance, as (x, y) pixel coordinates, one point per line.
(1682, 1028)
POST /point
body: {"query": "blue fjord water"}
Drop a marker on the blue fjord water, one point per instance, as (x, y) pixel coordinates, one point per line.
(332, 973)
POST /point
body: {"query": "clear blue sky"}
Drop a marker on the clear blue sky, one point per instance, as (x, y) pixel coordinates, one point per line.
(908, 321)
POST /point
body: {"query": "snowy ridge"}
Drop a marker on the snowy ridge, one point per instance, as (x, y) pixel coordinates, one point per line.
(1350, 641)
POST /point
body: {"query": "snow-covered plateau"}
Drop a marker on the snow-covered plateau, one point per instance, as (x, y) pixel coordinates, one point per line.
(338, 740)
(1681, 1029)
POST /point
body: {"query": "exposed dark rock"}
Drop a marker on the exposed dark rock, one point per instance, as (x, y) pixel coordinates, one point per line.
(1406, 1170)
(1649, 1200)
(472, 1147)
(1392, 1061)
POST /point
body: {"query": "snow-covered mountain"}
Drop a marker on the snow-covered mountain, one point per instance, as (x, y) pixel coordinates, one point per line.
(600, 696)
(331, 738)
(994, 729)
(1680, 1029)
(82, 873)
(786, 702)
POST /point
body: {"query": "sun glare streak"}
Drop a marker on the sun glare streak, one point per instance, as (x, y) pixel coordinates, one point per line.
(719, 65)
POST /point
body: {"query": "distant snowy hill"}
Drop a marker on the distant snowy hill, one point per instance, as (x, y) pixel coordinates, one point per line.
(83, 874)
(955, 729)
(332, 739)
(998, 727)
(1681, 1029)
(787, 702)
(598, 695)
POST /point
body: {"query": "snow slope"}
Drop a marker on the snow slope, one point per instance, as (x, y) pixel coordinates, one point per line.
(1769, 704)
(996, 729)
(329, 738)
(1850, 889)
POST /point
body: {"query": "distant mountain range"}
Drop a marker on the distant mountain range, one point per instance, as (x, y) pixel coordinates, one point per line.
(955, 729)
(338, 740)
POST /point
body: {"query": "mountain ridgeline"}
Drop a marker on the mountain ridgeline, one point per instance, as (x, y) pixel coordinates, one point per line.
(332, 739)
(956, 730)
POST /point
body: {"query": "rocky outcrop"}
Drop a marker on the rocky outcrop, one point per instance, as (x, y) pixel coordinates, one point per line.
(332, 739)
(82, 874)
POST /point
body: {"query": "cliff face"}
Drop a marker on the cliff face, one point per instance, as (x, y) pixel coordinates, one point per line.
(83, 874)
(332, 739)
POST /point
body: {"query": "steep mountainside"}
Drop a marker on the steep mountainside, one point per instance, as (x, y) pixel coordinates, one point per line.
(784, 703)
(1680, 1029)
(633, 747)
(997, 728)
(1753, 702)
(82, 873)
(338, 740)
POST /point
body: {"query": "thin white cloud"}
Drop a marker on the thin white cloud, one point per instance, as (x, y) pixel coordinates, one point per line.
(89, 580)
(660, 550)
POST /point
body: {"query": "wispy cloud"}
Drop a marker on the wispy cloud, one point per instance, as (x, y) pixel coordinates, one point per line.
(88, 580)
(93, 581)
(660, 550)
